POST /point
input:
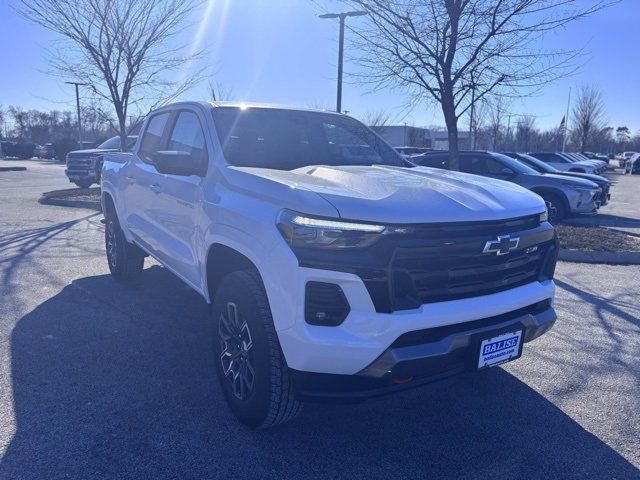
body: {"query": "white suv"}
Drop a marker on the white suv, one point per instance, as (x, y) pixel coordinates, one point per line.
(334, 268)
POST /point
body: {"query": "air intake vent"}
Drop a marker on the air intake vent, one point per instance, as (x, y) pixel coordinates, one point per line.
(325, 304)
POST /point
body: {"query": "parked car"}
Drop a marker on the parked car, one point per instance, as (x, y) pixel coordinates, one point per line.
(597, 156)
(563, 163)
(562, 195)
(632, 165)
(546, 169)
(48, 151)
(410, 151)
(21, 150)
(84, 166)
(579, 159)
(333, 273)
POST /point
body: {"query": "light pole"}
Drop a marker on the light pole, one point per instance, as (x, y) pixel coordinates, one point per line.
(77, 84)
(341, 16)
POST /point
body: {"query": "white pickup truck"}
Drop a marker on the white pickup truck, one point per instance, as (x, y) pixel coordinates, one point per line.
(335, 269)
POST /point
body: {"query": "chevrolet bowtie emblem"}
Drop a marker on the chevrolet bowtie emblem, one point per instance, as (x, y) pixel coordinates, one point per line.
(503, 245)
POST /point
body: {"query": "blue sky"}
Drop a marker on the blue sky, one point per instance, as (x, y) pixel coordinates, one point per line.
(278, 51)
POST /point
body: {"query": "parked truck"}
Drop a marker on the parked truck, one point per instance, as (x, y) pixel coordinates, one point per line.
(85, 166)
(334, 269)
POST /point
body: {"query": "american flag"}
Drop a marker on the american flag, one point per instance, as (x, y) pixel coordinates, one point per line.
(563, 127)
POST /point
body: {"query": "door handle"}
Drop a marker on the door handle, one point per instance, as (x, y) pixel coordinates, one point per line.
(131, 179)
(155, 187)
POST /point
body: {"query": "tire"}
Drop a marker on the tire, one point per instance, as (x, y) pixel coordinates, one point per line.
(249, 362)
(556, 207)
(86, 184)
(125, 260)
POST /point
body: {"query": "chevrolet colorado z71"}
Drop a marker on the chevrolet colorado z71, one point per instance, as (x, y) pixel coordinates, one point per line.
(335, 270)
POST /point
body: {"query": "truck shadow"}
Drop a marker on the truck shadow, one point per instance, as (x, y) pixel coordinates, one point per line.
(115, 381)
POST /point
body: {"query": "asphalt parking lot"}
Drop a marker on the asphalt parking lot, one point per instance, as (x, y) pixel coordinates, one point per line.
(105, 380)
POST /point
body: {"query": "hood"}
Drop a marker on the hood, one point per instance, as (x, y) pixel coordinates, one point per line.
(91, 151)
(578, 182)
(586, 176)
(407, 195)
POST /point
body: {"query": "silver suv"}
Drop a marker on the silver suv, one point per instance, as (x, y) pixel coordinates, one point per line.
(564, 196)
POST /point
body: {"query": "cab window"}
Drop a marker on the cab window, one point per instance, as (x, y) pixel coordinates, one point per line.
(152, 140)
(187, 136)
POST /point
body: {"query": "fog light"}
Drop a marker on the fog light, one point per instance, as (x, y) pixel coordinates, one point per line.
(325, 304)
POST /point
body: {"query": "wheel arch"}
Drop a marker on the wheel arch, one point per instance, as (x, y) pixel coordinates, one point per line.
(554, 191)
(222, 260)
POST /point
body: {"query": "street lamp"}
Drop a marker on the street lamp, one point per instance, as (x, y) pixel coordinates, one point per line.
(77, 84)
(341, 16)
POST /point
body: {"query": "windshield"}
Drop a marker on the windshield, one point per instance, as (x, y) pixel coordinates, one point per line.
(114, 143)
(515, 165)
(290, 139)
(536, 164)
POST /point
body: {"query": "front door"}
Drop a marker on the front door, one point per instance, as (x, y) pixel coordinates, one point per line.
(180, 199)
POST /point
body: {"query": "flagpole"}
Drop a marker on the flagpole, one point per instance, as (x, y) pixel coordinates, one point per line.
(566, 123)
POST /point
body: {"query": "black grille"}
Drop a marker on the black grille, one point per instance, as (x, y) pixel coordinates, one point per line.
(425, 263)
(433, 275)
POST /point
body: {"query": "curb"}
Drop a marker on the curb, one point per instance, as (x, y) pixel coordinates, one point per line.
(12, 169)
(48, 199)
(70, 203)
(611, 258)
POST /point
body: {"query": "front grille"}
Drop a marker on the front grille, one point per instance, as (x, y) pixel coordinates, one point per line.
(426, 263)
(434, 275)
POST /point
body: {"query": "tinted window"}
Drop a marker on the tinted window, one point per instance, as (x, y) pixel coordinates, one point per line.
(290, 139)
(187, 136)
(514, 165)
(437, 160)
(152, 140)
(480, 164)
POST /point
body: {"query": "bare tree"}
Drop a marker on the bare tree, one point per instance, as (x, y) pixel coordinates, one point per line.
(457, 52)
(219, 93)
(525, 133)
(496, 122)
(589, 116)
(623, 135)
(379, 120)
(119, 49)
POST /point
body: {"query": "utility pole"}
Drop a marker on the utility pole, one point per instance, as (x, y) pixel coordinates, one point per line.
(342, 17)
(77, 84)
(508, 136)
(566, 123)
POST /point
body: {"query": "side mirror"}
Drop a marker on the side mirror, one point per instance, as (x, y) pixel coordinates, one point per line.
(507, 172)
(176, 162)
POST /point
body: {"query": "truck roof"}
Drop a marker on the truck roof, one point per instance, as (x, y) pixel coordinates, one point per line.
(248, 105)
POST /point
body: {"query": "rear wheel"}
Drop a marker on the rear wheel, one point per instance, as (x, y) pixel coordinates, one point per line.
(555, 206)
(249, 362)
(85, 184)
(126, 260)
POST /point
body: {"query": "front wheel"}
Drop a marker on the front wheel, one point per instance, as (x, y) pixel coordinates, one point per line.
(555, 207)
(249, 362)
(126, 260)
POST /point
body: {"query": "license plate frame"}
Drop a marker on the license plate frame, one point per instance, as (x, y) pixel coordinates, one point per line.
(499, 348)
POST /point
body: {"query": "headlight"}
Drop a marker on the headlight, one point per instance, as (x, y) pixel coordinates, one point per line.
(544, 216)
(583, 190)
(300, 230)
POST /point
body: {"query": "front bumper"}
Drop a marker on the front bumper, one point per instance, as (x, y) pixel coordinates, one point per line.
(423, 356)
(365, 334)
